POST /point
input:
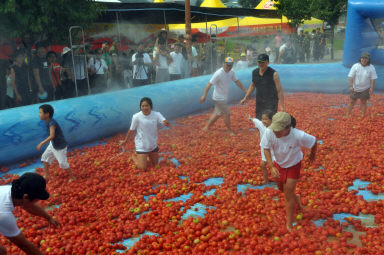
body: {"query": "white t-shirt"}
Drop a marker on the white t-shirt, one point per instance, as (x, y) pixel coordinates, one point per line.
(260, 126)
(98, 65)
(141, 74)
(362, 76)
(241, 64)
(146, 130)
(221, 81)
(163, 61)
(8, 226)
(175, 65)
(194, 55)
(287, 149)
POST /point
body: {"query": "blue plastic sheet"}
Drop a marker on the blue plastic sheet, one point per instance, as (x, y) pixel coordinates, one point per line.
(214, 181)
(243, 187)
(361, 186)
(131, 241)
(209, 192)
(201, 211)
(183, 198)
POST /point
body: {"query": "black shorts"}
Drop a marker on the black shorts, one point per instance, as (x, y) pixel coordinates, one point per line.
(142, 152)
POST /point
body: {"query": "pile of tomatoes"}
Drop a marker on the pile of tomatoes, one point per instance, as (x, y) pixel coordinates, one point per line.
(106, 203)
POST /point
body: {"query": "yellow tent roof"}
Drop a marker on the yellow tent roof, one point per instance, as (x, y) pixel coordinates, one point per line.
(266, 5)
(158, 1)
(213, 4)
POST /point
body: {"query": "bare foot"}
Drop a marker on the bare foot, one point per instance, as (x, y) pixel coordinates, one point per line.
(205, 129)
(231, 133)
(289, 227)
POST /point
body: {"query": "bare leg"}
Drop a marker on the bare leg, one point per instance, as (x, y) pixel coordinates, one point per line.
(46, 172)
(71, 176)
(140, 160)
(265, 172)
(363, 105)
(290, 201)
(211, 121)
(227, 121)
(299, 204)
(350, 106)
(154, 158)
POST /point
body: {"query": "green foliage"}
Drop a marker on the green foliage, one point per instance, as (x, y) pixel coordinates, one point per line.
(295, 10)
(329, 10)
(249, 3)
(49, 19)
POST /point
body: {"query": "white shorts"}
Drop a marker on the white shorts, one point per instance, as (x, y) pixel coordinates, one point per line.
(50, 154)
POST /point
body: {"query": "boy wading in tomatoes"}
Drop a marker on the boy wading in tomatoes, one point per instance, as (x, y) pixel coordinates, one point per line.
(286, 143)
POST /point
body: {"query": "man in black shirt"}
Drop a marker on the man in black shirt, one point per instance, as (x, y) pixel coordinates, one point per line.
(268, 87)
(41, 73)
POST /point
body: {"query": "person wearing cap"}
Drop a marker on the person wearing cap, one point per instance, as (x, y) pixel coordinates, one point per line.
(23, 192)
(362, 77)
(242, 63)
(221, 80)
(286, 142)
(269, 92)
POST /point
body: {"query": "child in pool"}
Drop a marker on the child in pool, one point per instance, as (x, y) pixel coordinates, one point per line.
(145, 124)
(266, 120)
(286, 143)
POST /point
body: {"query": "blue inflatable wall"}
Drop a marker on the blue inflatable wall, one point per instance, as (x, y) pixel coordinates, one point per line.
(93, 117)
(360, 34)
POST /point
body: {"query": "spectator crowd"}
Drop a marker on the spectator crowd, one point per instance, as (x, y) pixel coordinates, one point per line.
(41, 75)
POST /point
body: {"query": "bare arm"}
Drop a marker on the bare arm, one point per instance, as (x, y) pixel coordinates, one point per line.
(204, 96)
(279, 90)
(13, 81)
(128, 136)
(248, 93)
(36, 74)
(312, 156)
(240, 85)
(52, 130)
(372, 86)
(268, 157)
(351, 84)
(36, 210)
(280, 54)
(25, 245)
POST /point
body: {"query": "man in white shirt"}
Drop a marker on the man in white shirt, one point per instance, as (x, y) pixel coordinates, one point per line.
(175, 65)
(242, 63)
(362, 77)
(98, 68)
(161, 57)
(221, 80)
(141, 60)
(195, 56)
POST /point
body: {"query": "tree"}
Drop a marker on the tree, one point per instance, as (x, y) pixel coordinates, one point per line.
(329, 11)
(47, 20)
(249, 3)
(296, 11)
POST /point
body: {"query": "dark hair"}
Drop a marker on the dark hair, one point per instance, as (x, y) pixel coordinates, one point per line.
(293, 122)
(47, 108)
(269, 113)
(18, 53)
(40, 45)
(148, 100)
(31, 184)
(51, 53)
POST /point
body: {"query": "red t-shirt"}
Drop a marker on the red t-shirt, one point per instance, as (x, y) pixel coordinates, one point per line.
(55, 71)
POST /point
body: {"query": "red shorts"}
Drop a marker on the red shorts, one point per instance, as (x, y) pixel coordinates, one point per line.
(292, 172)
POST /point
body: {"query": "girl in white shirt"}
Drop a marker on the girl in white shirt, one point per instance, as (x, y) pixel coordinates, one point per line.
(286, 143)
(362, 77)
(266, 120)
(145, 123)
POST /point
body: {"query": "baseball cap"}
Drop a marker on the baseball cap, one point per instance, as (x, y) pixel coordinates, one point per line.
(268, 49)
(366, 55)
(34, 185)
(263, 58)
(42, 96)
(280, 121)
(243, 55)
(228, 61)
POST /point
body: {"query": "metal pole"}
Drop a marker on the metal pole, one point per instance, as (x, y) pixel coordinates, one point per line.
(73, 59)
(118, 27)
(165, 27)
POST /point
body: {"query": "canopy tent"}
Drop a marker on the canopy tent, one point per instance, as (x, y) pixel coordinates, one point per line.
(246, 26)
